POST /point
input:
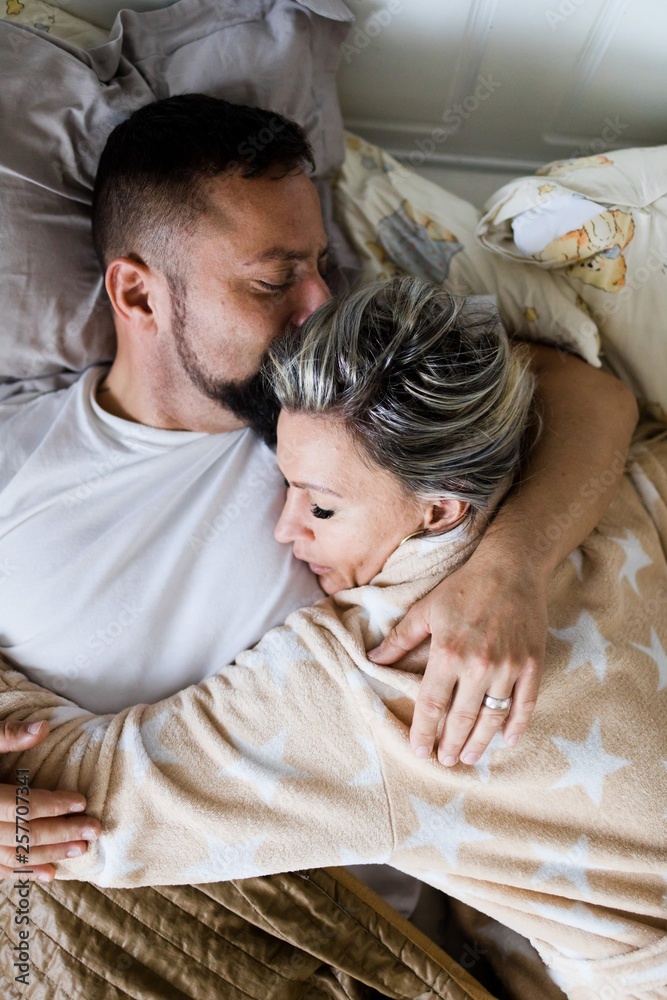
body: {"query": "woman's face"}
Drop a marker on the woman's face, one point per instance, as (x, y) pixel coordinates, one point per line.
(343, 513)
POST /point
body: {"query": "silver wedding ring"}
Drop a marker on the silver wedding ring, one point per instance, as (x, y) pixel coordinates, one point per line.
(500, 703)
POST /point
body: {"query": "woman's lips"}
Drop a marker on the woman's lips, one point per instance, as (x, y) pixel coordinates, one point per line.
(314, 567)
(319, 570)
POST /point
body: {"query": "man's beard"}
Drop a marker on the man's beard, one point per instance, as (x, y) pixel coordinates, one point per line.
(250, 399)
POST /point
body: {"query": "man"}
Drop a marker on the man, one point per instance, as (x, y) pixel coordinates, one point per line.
(138, 509)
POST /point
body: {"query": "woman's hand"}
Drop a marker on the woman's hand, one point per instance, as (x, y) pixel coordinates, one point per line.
(53, 831)
(488, 623)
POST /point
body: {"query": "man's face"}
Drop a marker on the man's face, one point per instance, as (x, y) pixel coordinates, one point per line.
(255, 266)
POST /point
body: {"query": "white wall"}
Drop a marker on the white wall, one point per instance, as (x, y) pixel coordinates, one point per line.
(477, 90)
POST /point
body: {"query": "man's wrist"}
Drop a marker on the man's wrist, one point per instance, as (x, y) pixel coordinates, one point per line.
(517, 548)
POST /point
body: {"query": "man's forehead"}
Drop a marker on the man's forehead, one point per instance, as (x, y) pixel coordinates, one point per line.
(273, 219)
(282, 254)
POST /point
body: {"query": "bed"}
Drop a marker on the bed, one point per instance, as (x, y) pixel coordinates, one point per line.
(594, 286)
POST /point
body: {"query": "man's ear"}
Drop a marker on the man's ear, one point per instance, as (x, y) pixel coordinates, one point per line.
(443, 515)
(133, 290)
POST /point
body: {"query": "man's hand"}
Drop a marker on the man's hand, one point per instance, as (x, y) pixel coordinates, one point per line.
(54, 832)
(488, 620)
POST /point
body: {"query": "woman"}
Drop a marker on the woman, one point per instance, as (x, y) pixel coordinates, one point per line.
(397, 438)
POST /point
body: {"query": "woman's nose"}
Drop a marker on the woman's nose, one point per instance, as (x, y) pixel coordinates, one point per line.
(291, 525)
(312, 294)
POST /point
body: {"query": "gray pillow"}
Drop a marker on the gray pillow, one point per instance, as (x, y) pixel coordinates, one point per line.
(61, 102)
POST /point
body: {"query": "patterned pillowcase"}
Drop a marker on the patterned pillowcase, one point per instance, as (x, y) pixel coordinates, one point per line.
(613, 260)
(400, 223)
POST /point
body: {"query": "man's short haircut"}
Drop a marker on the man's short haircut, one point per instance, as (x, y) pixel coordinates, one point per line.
(152, 179)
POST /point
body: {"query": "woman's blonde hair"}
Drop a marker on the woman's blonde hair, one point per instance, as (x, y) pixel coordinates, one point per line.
(426, 383)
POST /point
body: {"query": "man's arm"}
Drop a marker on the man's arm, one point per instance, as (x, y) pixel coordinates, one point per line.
(54, 832)
(488, 621)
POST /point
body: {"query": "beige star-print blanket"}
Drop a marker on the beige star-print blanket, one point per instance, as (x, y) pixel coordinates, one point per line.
(297, 756)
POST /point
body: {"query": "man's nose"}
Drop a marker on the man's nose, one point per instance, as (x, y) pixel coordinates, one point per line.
(313, 293)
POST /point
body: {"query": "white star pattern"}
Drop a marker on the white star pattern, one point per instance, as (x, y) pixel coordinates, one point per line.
(657, 973)
(433, 877)
(372, 773)
(581, 917)
(588, 645)
(277, 662)
(144, 746)
(262, 766)
(378, 613)
(646, 489)
(483, 764)
(658, 655)
(635, 559)
(589, 763)
(577, 560)
(65, 713)
(442, 827)
(348, 856)
(570, 864)
(112, 850)
(225, 861)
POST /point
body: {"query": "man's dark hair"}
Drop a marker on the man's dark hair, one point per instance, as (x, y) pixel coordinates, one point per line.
(152, 177)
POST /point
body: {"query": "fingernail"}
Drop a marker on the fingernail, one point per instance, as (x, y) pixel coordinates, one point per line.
(74, 852)
(89, 834)
(449, 761)
(44, 878)
(33, 727)
(373, 652)
(512, 740)
(76, 807)
(421, 751)
(470, 758)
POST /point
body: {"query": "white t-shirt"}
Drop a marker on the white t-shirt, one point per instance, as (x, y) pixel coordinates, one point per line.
(134, 561)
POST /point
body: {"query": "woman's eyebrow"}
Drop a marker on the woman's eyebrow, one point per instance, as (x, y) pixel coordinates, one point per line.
(318, 489)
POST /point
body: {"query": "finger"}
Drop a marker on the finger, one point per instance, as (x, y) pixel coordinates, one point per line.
(409, 632)
(524, 700)
(51, 831)
(41, 873)
(489, 722)
(41, 803)
(462, 716)
(21, 735)
(430, 705)
(10, 857)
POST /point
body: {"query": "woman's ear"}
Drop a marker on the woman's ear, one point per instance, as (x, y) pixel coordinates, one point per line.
(443, 515)
(130, 285)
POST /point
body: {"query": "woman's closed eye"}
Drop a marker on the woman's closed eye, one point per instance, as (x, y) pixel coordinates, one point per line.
(321, 512)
